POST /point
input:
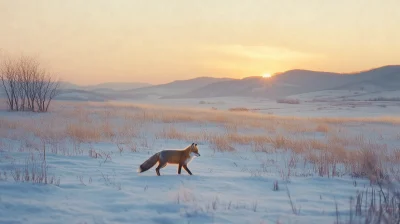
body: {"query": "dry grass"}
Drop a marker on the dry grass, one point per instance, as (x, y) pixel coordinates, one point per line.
(130, 127)
(34, 169)
(343, 120)
(83, 133)
(325, 146)
(322, 128)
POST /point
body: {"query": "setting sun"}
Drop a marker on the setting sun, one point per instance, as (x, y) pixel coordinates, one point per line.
(266, 75)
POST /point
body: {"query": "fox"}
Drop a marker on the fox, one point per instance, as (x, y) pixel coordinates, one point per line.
(164, 157)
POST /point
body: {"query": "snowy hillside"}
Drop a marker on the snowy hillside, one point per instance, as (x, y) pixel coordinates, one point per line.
(176, 87)
(301, 81)
(283, 85)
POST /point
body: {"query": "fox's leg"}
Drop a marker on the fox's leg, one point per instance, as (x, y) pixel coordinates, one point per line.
(160, 166)
(179, 168)
(187, 169)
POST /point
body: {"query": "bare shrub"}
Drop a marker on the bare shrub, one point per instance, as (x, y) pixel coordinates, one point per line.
(120, 148)
(184, 195)
(94, 154)
(33, 170)
(215, 203)
(295, 210)
(254, 206)
(27, 85)
(109, 180)
(377, 205)
(276, 186)
(132, 146)
(9, 77)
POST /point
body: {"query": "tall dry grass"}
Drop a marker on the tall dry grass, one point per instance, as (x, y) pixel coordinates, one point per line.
(321, 142)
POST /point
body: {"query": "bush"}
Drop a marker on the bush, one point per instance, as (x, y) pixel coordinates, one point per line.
(27, 86)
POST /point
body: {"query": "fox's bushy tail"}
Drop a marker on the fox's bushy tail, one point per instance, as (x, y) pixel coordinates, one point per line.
(148, 163)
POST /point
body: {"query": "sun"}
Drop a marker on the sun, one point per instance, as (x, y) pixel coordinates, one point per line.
(266, 75)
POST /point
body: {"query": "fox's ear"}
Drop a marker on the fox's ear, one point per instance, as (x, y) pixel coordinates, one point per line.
(195, 144)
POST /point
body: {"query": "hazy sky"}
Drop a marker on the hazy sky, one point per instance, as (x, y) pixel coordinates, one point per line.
(93, 41)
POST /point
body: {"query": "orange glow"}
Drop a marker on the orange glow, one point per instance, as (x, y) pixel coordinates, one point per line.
(266, 75)
(94, 41)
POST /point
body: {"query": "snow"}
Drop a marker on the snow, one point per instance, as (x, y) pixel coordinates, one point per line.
(311, 104)
(127, 197)
(226, 187)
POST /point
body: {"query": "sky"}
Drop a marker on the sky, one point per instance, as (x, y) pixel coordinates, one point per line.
(95, 41)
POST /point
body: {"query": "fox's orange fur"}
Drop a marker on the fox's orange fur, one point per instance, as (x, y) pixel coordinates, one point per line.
(180, 157)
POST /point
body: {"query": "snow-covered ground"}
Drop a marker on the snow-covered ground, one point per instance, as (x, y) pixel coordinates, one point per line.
(94, 176)
(335, 103)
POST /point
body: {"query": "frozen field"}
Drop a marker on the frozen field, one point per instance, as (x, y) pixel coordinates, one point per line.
(281, 163)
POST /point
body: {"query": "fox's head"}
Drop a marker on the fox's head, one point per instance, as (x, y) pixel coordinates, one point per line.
(194, 151)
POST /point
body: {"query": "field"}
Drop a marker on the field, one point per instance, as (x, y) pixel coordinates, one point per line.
(260, 162)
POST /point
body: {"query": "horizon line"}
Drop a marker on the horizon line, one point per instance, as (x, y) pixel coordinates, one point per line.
(273, 74)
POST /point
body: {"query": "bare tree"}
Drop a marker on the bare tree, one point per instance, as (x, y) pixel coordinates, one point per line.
(46, 90)
(20, 93)
(9, 74)
(27, 85)
(30, 73)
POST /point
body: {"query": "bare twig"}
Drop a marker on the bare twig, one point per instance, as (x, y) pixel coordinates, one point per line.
(295, 210)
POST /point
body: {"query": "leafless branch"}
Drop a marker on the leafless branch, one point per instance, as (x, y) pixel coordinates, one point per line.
(28, 86)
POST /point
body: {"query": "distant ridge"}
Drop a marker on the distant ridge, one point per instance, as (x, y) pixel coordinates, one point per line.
(292, 82)
(116, 86)
(299, 81)
(176, 87)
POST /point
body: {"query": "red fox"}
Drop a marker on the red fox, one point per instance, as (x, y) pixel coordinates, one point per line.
(180, 157)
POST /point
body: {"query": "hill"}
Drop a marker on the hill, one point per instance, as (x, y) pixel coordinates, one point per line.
(174, 88)
(99, 92)
(118, 86)
(288, 83)
(385, 78)
(293, 82)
